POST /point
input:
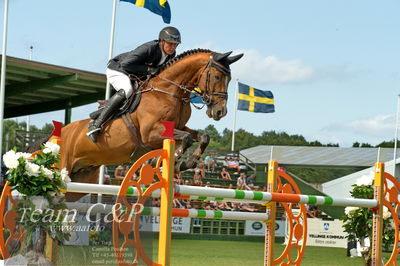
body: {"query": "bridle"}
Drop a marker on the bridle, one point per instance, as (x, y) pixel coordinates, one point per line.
(204, 93)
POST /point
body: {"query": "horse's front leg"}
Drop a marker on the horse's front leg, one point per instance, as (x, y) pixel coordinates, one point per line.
(191, 162)
(184, 141)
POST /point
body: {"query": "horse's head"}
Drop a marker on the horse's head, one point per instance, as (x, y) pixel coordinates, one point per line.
(214, 81)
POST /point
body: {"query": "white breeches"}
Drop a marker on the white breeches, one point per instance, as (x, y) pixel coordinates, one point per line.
(119, 81)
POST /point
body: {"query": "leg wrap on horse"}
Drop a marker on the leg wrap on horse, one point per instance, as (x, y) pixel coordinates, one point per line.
(115, 102)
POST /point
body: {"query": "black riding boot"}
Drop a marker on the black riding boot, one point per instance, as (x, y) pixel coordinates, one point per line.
(113, 103)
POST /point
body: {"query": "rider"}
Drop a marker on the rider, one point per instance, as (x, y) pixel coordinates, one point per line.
(144, 60)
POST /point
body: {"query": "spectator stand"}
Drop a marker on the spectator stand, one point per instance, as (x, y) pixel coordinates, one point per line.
(209, 171)
(212, 163)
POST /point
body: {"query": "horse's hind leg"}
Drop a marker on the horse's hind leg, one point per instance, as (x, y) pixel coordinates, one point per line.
(203, 140)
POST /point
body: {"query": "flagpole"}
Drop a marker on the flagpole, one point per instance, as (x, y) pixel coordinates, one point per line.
(396, 136)
(235, 112)
(107, 96)
(3, 77)
(111, 45)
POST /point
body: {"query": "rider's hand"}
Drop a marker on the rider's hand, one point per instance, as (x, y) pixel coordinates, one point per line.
(153, 70)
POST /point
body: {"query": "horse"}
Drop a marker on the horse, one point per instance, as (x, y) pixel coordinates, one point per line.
(164, 97)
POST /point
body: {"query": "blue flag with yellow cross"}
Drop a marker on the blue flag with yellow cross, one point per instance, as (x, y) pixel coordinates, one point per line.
(254, 100)
(159, 7)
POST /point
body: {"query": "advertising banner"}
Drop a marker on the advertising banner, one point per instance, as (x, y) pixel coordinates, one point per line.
(152, 224)
(326, 233)
(256, 228)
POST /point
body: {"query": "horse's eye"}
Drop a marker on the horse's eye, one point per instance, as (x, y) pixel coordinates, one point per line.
(218, 77)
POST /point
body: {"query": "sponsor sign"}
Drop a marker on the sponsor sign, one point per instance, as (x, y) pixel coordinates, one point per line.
(152, 224)
(326, 233)
(256, 228)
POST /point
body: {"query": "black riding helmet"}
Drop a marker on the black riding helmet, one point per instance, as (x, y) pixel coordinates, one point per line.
(170, 34)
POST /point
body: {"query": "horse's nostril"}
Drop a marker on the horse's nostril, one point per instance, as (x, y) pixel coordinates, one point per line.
(219, 113)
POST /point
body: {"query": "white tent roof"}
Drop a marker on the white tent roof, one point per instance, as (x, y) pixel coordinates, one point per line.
(317, 156)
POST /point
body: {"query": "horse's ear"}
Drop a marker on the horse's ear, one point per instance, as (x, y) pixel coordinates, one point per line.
(218, 57)
(233, 59)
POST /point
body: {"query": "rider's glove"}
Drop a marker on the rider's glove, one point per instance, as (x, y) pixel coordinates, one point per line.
(153, 71)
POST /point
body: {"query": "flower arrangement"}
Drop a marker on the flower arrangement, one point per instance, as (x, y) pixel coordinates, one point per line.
(41, 206)
(358, 221)
(36, 175)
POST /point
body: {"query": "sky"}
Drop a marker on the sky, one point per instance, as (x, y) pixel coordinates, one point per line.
(333, 66)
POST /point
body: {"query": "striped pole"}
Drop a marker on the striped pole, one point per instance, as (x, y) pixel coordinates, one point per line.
(192, 213)
(223, 194)
(266, 197)
(76, 187)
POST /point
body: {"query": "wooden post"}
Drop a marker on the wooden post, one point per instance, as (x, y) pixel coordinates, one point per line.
(271, 212)
(49, 249)
(377, 220)
(167, 195)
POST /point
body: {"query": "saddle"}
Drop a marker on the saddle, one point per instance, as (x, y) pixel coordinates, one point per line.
(128, 107)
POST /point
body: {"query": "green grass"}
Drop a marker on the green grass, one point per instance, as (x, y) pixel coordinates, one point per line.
(210, 253)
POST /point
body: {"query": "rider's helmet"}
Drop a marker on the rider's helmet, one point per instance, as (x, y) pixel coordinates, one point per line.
(170, 34)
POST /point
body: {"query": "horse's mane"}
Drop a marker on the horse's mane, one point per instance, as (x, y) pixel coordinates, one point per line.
(183, 55)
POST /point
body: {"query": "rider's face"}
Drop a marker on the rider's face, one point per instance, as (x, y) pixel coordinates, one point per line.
(168, 47)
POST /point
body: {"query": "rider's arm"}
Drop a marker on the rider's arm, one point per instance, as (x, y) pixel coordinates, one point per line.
(134, 61)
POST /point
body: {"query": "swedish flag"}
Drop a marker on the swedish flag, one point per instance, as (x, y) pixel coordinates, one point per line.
(160, 7)
(253, 100)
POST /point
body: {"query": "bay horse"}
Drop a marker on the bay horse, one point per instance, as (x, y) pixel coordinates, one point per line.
(163, 97)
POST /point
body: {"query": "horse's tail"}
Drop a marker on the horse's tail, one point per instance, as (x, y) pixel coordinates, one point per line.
(35, 146)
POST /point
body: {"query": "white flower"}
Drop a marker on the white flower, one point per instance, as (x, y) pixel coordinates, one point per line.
(385, 213)
(10, 159)
(39, 202)
(51, 148)
(365, 180)
(47, 172)
(64, 176)
(24, 155)
(350, 210)
(32, 169)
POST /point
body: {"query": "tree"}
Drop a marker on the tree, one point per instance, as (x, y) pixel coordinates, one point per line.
(358, 221)
(388, 144)
(365, 145)
(356, 144)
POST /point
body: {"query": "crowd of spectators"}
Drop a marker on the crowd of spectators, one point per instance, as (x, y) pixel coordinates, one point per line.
(312, 211)
(210, 165)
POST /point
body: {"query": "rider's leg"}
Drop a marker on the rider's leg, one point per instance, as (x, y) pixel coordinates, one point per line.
(112, 105)
(122, 83)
